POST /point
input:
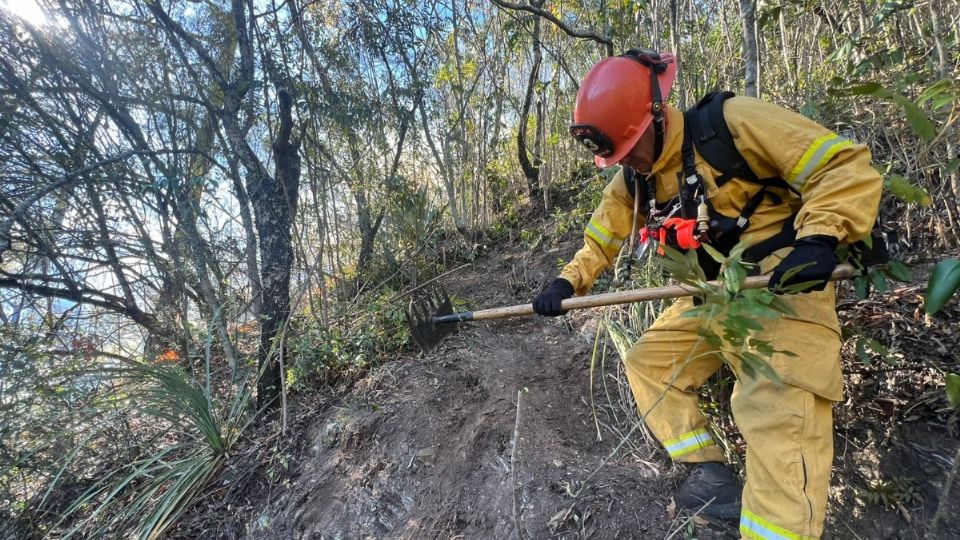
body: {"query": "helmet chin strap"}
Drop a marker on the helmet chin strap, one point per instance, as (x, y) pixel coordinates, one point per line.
(656, 105)
(651, 59)
(659, 125)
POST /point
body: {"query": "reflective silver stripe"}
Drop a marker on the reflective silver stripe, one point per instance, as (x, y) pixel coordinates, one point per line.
(601, 235)
(688, 442)
(757, 528)
(816, 156)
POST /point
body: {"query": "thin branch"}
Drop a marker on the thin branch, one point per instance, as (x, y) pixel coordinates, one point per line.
(582, 34)
(113, 303)
(513, 469)
(20, 211)
(945, 497)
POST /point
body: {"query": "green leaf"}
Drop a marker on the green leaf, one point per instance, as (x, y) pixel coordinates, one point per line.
(953, 389)
(768, 15)
(788, 275)
(943, 101)
(951, 166)
(889, 8)
(918, 120)
(710, 337)
(865, 89)
(760, 365)
(846, 333)
(879, 281)
(862, 352)
(899, 271)
(762, 347)
(743, 323)
(696, 312)
(861, 286)
(745, 366)
(714, 254)
(905, 190)
(944, 281)
(778, 304)
(733, 276)
(757, 310)
(865, 344)
(877, 347)
(800, 287)
(936, 92)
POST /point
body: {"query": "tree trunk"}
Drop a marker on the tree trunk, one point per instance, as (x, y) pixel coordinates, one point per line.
(531, 171)
(680, 88)
(445, 172)
(275, 206)
(368, 227)
(748, 12)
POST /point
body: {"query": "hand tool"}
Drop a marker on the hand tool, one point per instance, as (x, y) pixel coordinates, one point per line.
(430, 316)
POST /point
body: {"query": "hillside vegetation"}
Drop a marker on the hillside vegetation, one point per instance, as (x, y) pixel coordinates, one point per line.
(213, 214)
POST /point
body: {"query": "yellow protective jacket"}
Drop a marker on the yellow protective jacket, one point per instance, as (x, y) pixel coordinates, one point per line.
(839, 191)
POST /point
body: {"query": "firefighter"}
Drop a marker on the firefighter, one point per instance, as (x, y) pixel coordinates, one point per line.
(801, 192)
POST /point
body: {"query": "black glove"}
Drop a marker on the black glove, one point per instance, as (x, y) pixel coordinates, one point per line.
(548, 302)
(818, 253)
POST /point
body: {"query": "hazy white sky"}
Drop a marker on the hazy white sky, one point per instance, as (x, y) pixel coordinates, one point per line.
(28, 10)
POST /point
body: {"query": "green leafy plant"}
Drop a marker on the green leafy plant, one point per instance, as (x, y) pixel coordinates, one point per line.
(867, 348)
(943, 283)
(372, 329)
(875, 279)
(917, 119)
(145, 496)
(729, 313)
(891, 493)
(905, 190)
(953, 389)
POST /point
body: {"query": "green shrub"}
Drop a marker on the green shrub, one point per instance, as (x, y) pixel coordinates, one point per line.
(370, 331)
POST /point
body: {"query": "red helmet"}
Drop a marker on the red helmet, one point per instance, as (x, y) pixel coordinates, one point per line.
(616, 101)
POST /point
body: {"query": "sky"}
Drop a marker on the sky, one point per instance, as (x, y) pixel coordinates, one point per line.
(28, 10)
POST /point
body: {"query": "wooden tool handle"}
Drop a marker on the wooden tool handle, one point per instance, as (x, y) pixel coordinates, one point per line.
(841, 272)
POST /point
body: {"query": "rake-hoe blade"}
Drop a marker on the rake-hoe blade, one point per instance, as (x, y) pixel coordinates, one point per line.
(422, 311)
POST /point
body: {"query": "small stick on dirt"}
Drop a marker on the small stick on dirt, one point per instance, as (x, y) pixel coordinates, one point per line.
(633, 429)
(932, 533)
(513, 468)
(688, 520)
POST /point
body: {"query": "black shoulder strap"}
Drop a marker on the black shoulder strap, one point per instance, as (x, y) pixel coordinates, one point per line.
(714, 141)
(628, 174)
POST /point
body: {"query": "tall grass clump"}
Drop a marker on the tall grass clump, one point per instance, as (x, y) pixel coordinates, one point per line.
(116, 448)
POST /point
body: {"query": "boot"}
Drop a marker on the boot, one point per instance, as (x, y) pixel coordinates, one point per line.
(711, 481)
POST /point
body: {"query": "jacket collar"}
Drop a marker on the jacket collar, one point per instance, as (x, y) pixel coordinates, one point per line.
(673, 140)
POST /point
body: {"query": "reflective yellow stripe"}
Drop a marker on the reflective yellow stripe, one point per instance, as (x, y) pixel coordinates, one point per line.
(754, 526)
(688, 442)
(816, 156)
(601, 235)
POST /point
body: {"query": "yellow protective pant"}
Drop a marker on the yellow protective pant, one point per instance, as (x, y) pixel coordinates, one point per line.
(788, 428)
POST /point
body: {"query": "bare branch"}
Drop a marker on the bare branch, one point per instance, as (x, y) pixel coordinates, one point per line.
(21, 210)
(582, 34)
(110, 302)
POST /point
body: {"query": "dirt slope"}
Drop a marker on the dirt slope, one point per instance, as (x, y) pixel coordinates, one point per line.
(426, 447)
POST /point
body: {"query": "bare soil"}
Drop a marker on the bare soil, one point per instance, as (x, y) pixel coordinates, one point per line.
(494, 436)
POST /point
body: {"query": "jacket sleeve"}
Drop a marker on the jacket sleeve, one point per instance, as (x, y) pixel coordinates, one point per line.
(839, 189)
(606, 232)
